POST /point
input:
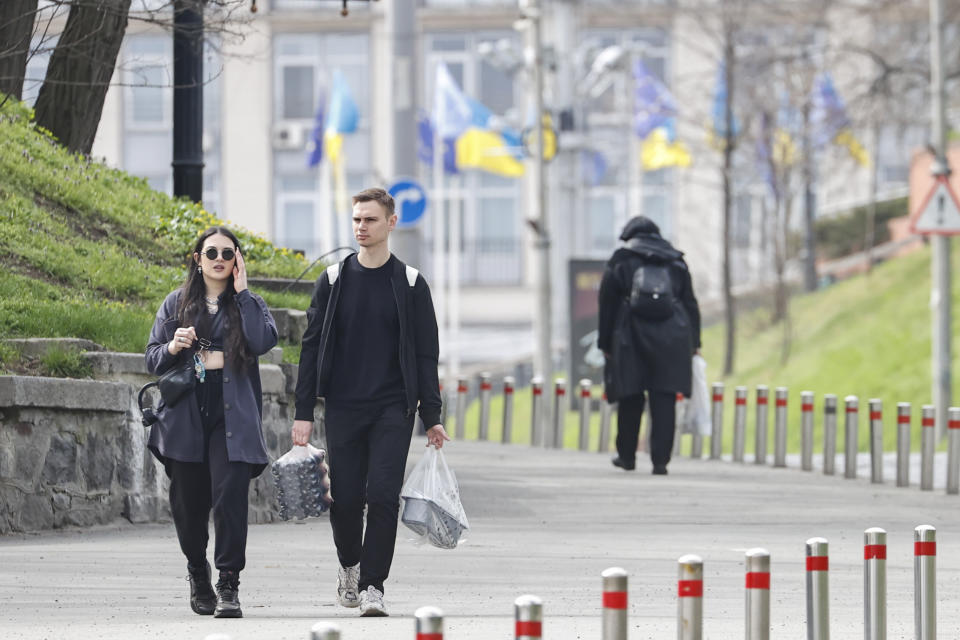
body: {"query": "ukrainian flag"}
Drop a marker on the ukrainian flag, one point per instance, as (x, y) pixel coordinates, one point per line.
(481, 147)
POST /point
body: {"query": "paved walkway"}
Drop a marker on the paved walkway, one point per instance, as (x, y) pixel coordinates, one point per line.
(544, 522)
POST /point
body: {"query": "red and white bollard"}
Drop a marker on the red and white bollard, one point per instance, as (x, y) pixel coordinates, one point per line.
(928, 442)
(875, 584)
(739, 423)
(483, 433)
(614, 604)
(876, 441)
(903, 444)
(536, 412)
(586, 404)
(851, 436)
(429, 622)
(760, 444)
(953, 451)
(806, 430)
(829, 434)
(528, 617)
(818, 589)
(606, 409)
(758, 594)
(324, 631)
(716, 422)
(460, 427)
(559, 413)
(780, 429)
(925, 582)
(507, 435)
(690, 598)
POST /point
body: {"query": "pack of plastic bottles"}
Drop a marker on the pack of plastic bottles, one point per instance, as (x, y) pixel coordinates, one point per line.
(302, 478)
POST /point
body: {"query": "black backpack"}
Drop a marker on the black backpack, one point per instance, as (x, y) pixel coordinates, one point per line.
(651, 294)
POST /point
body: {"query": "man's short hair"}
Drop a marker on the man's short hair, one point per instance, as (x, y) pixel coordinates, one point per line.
(378, 195)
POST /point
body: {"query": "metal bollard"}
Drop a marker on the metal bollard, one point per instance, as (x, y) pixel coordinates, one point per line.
(875, 584)
(614, 604)
(586, 405)
(780, 429)
(528, 615)
(429, 623)
(716, 422)
(324, 631)
(606, 409)
(536, 411)
(690, 598)
(696, 445)
(903, 444)
(559, 413)
(953, 451)
(829, 434)
(806, 430)
(928, 441)
(739, 422)
(460, 428)
(876, 441)
(925, 582)
(507, 435)
(760, 441)
(851, 436)
(818, 590)
(758, 594)
(483, 432)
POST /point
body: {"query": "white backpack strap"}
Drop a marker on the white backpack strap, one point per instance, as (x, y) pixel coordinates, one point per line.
(412, 276)
(333, 272)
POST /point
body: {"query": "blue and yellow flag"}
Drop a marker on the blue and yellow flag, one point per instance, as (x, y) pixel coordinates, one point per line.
(830, 122)
(654, 112)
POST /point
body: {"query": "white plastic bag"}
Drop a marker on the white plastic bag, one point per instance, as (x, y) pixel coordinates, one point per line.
(302, 478)
(431, 502)
(697, 414)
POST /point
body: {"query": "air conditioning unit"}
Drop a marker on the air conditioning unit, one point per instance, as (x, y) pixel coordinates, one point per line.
(289, 135)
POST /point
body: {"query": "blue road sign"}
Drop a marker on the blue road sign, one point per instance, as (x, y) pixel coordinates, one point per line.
(411, 201)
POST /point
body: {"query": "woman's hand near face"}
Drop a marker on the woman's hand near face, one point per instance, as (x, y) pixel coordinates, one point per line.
(239, 274)
(183, 338)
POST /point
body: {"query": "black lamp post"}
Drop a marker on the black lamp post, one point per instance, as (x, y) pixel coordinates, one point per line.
(188, 99)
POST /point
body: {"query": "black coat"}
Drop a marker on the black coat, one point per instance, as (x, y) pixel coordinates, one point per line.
(646, 354)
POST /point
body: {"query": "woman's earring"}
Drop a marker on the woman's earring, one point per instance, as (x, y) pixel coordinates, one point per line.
(199, 269)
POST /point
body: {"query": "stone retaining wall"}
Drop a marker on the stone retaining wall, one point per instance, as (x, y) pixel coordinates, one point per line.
(73, 452)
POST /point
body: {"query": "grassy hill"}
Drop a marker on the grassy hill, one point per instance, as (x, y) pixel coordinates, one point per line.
(87, 251)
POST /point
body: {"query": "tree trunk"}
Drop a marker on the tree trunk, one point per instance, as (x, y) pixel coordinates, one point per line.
(71, 98)
(809, 207)
(16, 28)
(728, 300)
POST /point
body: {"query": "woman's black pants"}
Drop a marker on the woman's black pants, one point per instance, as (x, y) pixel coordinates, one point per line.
(368, 456)
(216, 484)
(663, 410)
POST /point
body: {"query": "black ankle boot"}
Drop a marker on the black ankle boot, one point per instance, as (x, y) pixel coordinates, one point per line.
(202, 598)
(228, 595)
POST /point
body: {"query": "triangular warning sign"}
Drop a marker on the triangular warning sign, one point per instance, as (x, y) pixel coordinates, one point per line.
(939, 212)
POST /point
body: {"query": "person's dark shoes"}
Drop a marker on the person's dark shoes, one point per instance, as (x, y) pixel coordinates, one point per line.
(228, 596)
(626, 465)
(659, 469)
(203, 600)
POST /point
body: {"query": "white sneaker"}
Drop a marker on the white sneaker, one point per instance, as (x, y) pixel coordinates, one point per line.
(371, 602)
(347, 578)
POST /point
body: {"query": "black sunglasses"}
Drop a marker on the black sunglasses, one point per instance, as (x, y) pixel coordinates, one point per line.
(211, 253)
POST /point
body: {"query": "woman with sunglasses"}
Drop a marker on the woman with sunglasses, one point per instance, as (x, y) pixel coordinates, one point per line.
(211, 441)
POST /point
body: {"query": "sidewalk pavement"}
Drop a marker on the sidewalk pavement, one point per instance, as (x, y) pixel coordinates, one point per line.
(543, 522)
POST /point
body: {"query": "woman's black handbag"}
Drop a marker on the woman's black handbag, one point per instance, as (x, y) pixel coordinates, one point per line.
(173, 385)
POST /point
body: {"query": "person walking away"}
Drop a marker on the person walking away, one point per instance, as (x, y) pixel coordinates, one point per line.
(649, 329)
(371, 351)
(211, 440)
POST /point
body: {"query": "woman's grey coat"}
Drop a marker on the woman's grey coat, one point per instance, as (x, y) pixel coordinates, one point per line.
(178, 434)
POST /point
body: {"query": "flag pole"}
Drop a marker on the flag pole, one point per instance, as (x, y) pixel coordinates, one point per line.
(326, 213)
(439, 266)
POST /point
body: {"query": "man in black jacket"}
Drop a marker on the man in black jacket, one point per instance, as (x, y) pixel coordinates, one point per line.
(649, 330)
(371, 351)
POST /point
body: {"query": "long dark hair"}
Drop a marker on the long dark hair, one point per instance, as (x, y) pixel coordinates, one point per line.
(192, 309)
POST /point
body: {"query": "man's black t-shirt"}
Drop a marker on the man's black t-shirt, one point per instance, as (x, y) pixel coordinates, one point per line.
(366, 337)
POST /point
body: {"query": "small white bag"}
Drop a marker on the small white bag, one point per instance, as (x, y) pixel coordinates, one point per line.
(696, 417)
(431, 502)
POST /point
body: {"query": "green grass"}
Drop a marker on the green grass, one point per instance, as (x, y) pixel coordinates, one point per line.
(90, 252)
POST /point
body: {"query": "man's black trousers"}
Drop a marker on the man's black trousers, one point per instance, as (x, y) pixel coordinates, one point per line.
(368, 457)
(215, 484)
(663, 409)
